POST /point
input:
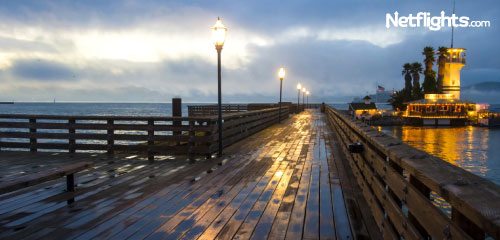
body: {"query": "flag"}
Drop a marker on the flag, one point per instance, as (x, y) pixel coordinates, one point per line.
(380, 88)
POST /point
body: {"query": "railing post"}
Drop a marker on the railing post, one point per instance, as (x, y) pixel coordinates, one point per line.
(151, 142)
(33, 140)
(191, 143)
(70, 186)
(427, 193)
(111, 137)
(467, 225)
(177, 112)
(71, 131)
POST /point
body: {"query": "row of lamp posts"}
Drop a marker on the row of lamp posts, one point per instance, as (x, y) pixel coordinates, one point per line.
(219, 37)
(305, 93)
(305, 96)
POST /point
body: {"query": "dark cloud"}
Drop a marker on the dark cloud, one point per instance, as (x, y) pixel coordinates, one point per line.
(42, 70)
(332, 69)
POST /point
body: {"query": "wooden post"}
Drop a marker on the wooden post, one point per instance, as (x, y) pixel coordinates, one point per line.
(111, 137)
(427, 193)
(71, 131)
(70, 186)
(33, 141)
(177, 112)
(151, 142)
(467, 225)
(191, 142)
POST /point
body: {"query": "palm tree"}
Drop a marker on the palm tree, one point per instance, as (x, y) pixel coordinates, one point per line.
(429, 84)
(398, 100)
(416, 70)
(443, 56)
(407, 74)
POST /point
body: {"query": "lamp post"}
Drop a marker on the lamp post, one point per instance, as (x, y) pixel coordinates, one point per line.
(299, 87)
(304, 97)
(281, 75)
(219, 36)
(307, 98)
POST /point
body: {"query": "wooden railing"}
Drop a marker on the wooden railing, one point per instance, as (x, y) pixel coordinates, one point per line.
(313, 105)
(149, 135)
(212, 109)
(240, 125)
(400, 184)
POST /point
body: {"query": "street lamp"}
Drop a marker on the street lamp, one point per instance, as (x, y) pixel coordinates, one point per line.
(281, 75)
(299, 87)
(307, 98)
(303, 97)
(219, 36)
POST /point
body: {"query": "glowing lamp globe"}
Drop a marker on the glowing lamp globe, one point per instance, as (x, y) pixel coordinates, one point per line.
(281, 73)
(219, 33)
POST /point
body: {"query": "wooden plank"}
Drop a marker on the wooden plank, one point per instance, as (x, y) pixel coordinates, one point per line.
(154, 219)
(219, 222)
(280, 223)
(296, 224)
(190, 215)
(264, 225)
(104, 118)
(327, 227)
(341, 218)
(222, 220)
(244, 221)
(115, 223)
(193, 227)
(311, 222)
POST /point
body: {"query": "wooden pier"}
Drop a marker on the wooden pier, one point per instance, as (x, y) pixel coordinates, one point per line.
(282, 182)
(294, 180)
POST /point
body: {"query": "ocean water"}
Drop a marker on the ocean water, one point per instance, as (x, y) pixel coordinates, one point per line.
(93, 109)
(475, 149)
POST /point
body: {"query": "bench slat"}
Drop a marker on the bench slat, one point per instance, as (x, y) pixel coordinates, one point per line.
(44, 176)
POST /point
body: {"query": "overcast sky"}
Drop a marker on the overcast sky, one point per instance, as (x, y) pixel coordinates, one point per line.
(150, 51)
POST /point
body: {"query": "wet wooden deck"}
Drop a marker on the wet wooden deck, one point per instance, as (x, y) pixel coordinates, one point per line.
(285, 182)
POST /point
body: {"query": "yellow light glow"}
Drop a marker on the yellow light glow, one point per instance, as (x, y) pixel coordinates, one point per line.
(307, 93)
(304, 90)
(299, 87)
(459, 50)
(219, 33)
(281, 73)
(438, 96)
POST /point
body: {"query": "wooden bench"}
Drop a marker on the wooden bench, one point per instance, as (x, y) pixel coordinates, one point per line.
(47, 175)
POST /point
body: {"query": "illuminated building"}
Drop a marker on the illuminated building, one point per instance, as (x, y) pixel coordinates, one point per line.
(452, 67)
(445, 108)
(364, 110)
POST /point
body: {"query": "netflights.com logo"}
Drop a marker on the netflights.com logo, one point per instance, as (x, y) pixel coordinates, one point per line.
(433, 23)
